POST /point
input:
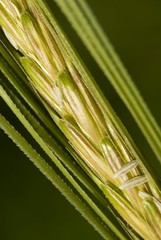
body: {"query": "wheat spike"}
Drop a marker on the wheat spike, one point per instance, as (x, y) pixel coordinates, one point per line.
(105, 154)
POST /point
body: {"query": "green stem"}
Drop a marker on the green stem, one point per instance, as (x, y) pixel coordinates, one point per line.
(52, 176)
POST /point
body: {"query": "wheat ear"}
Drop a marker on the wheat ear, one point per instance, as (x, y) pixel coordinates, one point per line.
(107, 155)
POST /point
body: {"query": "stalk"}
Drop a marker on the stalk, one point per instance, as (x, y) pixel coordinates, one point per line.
(55, 179)
(107, 155)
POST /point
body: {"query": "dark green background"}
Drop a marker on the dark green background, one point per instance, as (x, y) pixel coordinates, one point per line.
(30, 207)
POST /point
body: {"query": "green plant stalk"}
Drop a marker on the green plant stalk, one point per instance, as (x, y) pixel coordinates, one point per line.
(61, 80)
(52, 176)
(85, 24)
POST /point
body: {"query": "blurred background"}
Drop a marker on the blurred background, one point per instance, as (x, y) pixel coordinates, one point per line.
(30, 207)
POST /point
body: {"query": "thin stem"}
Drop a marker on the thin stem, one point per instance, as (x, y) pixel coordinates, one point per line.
(52, 176)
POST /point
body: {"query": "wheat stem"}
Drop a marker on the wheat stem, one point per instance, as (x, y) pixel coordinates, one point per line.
(52, 176)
